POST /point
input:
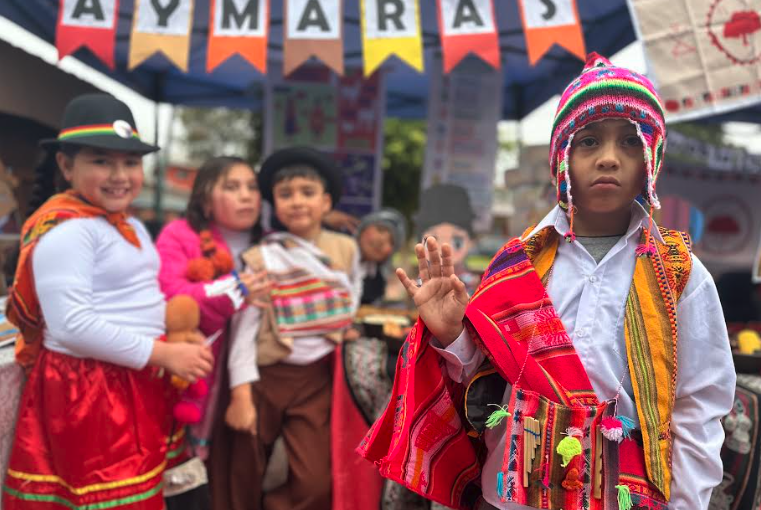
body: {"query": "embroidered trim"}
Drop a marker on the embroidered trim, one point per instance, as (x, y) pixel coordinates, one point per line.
(32, 477)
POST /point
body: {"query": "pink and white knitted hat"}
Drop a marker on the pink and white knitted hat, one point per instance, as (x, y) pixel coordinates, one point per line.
(604, 91)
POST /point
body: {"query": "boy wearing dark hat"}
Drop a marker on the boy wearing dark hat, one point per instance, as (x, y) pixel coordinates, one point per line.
(280, 361)
(605, 363)
(94, 417)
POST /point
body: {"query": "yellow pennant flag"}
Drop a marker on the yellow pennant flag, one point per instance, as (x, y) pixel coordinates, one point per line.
(163, 27)
(391, 27)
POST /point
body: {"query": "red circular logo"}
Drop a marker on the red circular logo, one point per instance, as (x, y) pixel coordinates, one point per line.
(734, 27)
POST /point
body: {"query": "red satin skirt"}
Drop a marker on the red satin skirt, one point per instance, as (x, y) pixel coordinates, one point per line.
(89, 435)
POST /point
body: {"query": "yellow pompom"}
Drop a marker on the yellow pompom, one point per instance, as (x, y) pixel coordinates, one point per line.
(569, 448)
(748, 341)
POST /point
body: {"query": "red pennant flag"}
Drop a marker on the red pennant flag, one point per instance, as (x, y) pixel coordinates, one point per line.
(468, 26)
(238, 26)
(88, 23)
(548, 23)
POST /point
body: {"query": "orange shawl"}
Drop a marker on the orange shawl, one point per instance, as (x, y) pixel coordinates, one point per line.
(23, 308)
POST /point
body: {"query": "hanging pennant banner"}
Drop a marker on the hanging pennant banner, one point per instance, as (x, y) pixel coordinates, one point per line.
(548, 22)
(313, 28)
(391, 27)
(238, 26)
(164, 27)
(88, 23)
(468, 26)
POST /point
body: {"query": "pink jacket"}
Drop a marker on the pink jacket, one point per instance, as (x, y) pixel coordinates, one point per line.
(177, 245)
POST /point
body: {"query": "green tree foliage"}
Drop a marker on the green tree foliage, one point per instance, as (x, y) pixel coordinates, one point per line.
(403, 154)
(710, 133)
(220, 131)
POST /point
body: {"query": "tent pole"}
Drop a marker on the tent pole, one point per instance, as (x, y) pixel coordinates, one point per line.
(158, 173)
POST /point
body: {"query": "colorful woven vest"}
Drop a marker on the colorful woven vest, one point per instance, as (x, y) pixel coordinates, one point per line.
(422, 442)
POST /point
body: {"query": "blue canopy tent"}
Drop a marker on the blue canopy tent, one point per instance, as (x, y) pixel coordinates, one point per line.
(236, 84)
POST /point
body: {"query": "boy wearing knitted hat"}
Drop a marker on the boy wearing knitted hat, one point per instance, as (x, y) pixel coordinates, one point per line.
(592, 363)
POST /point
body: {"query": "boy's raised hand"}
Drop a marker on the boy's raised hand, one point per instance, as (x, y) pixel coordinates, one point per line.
(442, 298)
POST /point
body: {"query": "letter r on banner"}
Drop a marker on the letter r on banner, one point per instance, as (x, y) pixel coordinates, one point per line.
(390, 19)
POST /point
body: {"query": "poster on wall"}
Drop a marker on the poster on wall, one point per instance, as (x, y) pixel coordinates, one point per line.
(463, 110)
(704, 55)
(725, 223)
(341, 116)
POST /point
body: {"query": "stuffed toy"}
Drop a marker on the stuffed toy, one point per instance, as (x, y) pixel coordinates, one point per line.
(182, 318)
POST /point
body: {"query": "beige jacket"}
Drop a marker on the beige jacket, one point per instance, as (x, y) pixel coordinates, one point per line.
(271, 348)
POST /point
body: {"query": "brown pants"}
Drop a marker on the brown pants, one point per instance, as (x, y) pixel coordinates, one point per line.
(291, 400)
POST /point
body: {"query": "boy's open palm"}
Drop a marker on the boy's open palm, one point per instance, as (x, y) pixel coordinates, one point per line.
(442, 298)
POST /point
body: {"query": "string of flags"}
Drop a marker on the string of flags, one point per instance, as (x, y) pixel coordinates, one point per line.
(313, 28)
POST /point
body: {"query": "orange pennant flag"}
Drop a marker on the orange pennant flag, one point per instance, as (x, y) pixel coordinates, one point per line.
(552, 22)
(161, 27)
(313, 28)
(238, 26)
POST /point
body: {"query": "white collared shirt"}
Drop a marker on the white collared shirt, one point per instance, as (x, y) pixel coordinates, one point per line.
(590, 299)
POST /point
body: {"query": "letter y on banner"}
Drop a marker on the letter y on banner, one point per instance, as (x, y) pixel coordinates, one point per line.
(161, 25)
(88, 23)
(547, 22)
(468, 26)
(238, 26)
(391, 27)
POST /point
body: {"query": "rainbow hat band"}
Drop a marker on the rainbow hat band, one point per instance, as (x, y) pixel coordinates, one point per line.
(604, 91)
(100, 121)
(120, 128)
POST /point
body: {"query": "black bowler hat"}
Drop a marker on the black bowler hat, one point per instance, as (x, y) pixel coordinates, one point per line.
(101, 121)
(445, 203)
(300, 156)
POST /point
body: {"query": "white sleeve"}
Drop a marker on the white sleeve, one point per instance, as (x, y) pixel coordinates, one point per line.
(705, 391)
(463, 357)
(241, 363)
(63, 263)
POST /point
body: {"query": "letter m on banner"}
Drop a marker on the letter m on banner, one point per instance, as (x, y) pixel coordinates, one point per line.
(238, 26)
(88, 23)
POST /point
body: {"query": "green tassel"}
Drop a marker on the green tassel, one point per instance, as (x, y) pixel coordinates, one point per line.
(497, 416)
(624, 497)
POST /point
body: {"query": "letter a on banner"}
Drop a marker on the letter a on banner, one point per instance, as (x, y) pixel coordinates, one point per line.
(391, 27)
(547, 22)
(238, 26)
(468, 26)
(161, 25)
(313, 27)
(88, 23)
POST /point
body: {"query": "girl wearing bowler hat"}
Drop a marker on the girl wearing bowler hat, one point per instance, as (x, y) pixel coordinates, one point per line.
(93, 419)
